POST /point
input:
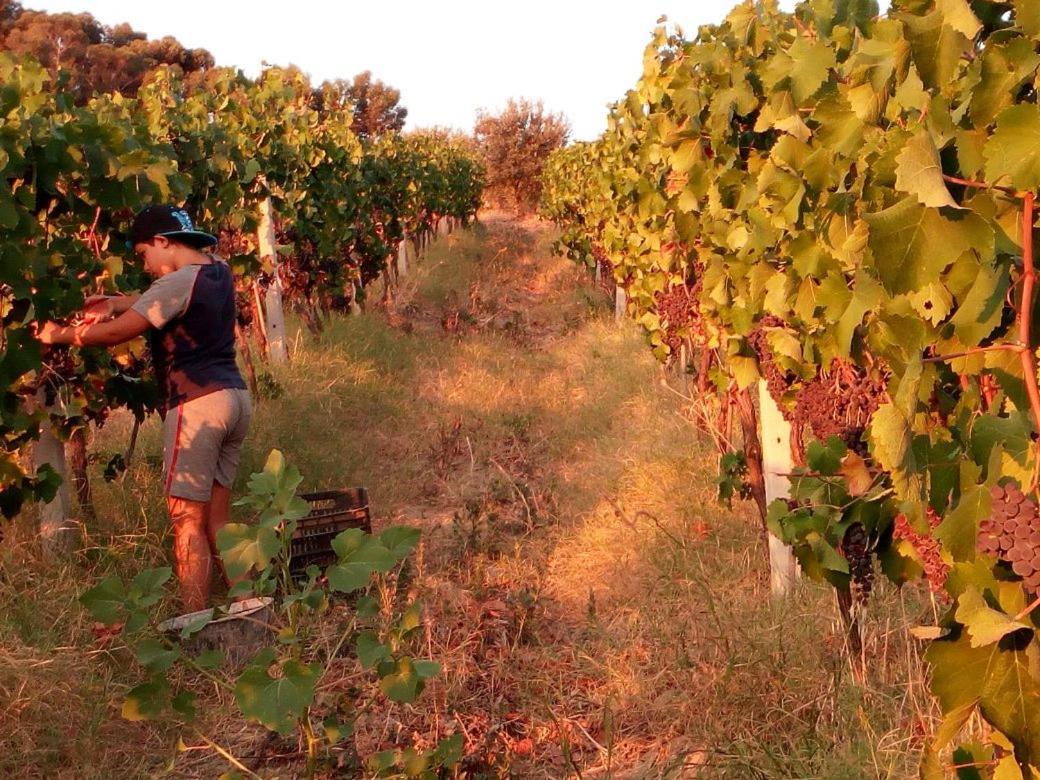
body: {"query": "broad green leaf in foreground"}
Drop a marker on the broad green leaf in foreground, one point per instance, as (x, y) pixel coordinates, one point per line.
(360, 556)
(403, 680)
(147, 701)
(244, 547)
(105, 600)
(277, 703)
(400, 540)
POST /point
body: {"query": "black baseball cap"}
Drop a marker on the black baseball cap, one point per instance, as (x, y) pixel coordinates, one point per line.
(171, 222)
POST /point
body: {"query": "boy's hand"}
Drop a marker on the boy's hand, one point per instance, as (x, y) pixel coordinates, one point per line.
(52, 333)
(98, 308)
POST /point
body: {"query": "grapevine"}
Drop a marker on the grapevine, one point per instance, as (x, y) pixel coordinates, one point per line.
(221, 145)
(855, 196)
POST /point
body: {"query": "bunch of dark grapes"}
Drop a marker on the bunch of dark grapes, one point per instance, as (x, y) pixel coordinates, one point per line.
(777, 379)
(928, 550)
(1012, 533)
(677, 309)
(606, 272)
(856, 549)
(840, 403)
(233, 242)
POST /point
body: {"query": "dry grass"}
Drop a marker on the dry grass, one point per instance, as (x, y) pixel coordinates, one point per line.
(596, 613)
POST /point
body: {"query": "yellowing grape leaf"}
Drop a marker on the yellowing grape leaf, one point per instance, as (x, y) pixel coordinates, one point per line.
(984, 624)
(857, 475)
(958, 15)
(1027, 16)
(1013, 151)
(919, 172)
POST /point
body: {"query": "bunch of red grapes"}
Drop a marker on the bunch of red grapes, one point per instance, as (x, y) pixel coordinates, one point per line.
(1012, 533)
(928, 549)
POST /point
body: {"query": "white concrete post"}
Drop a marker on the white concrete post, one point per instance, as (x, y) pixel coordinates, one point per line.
(57, 529)
(620, 303)
(402, 256)
(777, 463)
(275, 320)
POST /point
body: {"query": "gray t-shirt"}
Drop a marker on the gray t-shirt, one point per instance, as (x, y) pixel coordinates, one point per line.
(168, 296)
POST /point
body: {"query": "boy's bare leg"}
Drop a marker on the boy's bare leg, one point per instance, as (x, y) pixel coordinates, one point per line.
(217, 517)
(191, 551)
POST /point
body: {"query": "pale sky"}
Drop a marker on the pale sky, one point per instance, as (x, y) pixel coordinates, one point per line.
(448, 58)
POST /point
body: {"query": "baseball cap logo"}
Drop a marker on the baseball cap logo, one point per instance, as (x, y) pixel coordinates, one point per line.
(182, 217)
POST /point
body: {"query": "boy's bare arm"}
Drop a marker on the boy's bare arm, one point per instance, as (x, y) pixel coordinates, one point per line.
(99, 308)
(128, 325)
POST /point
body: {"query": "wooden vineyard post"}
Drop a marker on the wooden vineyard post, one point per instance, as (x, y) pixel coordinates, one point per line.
(56, 528)
(777, 463)
(620, 303)
(275, 319)
(247, 359)
(402, 257)
(77, 460)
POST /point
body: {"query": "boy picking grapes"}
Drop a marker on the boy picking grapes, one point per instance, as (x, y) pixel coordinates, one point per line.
(188, 315)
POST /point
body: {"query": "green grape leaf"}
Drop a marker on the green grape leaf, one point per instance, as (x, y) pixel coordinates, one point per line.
(892, 438)
(958, 15)
(912, 245)
(937, 45)
(983, 306)
(960, 527)
(1005, 67)
(806, 65)
(998, 677)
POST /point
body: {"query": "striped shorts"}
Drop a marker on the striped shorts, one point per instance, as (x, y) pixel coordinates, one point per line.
(202, 442)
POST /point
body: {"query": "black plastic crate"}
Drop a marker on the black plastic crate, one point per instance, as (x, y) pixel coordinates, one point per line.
(332, 512)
